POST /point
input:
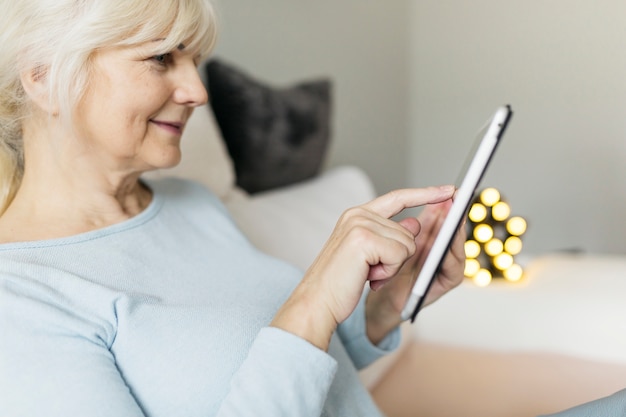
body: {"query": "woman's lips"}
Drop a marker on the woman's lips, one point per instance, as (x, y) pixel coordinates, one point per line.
(172, 127)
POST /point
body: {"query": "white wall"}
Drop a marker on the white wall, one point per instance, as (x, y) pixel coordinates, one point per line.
(562, 66)
(361, 44)
(414, 79)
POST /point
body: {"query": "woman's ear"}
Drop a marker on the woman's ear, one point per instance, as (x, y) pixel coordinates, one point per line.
(35, 84)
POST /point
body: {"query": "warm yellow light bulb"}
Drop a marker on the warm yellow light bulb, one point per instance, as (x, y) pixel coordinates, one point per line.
(489, 196)
(503, 261)
(477, 213)
(483, 232)
(516, 226)
(500, 211)
(482, 278)
(472, 249)
(513, 245)
(494, 247)
(513, 273)
(472, 266)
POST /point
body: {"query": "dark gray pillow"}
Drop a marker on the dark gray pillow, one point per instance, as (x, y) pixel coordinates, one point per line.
(275, 136)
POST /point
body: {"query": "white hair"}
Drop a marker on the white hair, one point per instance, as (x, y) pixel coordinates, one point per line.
(60, 37)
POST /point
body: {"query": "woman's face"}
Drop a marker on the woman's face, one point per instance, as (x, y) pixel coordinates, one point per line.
(135, 109)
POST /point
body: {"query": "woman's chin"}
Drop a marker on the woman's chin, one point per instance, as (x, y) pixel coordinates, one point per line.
(166, 160)
(169, 164)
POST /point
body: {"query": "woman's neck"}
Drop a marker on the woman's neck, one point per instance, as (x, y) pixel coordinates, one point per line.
(53, 205)
(68, 187)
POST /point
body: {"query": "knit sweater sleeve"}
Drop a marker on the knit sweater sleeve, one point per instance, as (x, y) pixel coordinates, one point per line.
(353, 334)
(283, 375)
(611, 406)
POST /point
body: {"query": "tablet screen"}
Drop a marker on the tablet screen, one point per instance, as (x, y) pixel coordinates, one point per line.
(470, 154)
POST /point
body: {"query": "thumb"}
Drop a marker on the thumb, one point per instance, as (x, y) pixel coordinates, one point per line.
(411, 224)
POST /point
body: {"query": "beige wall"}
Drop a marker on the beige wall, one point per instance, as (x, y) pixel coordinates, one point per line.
(361, 44)
(562, 65)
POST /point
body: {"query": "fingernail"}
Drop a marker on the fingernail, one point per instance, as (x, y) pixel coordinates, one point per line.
(448, 188)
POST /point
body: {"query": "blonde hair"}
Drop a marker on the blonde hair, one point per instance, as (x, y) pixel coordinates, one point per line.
(60, 37)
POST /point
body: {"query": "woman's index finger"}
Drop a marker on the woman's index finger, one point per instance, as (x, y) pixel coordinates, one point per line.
(393, 202)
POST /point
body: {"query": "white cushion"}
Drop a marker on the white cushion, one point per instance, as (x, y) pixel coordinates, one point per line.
(293, 222)
(204, 155)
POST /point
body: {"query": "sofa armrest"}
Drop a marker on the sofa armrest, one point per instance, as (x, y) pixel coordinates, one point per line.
(293, 223)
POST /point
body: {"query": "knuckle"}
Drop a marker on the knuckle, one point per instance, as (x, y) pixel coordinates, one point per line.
(353, 212)
(360, 234)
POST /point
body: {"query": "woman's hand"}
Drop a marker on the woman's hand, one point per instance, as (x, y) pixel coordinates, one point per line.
(365, 245)
(385, 302)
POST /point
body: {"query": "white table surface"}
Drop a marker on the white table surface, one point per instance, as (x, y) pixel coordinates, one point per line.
(569, 304)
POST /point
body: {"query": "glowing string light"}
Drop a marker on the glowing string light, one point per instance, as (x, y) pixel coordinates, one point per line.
(472, 266)
(516, 226)
(477, 213)
(489, 196)
(482, 278)
(513, 273)
(483, 233)
(472, 249)
(500, 211)
(513, 245)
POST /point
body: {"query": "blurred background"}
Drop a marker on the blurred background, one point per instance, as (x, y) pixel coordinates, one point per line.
(414, 80)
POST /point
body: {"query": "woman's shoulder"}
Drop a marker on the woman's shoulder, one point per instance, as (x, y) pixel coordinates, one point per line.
(178, 186)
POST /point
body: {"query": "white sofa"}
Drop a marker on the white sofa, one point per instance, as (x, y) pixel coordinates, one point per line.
(555, 340)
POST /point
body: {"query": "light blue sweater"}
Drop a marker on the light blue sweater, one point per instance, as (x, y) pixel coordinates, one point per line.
(166, 314)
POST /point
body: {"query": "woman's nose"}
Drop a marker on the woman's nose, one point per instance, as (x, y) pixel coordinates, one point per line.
(190, 90)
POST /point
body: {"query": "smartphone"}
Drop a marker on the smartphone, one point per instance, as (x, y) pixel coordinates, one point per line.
(477, 162)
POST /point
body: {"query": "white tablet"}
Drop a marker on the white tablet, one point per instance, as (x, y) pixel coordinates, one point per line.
(486, 142)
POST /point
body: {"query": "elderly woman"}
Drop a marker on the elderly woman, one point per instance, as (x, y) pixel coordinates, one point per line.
(124, 297)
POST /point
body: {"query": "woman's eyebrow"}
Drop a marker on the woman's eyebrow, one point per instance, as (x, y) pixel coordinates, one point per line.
(180, 47)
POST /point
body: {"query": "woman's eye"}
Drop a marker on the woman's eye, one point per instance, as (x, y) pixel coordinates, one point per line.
(162, 59)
